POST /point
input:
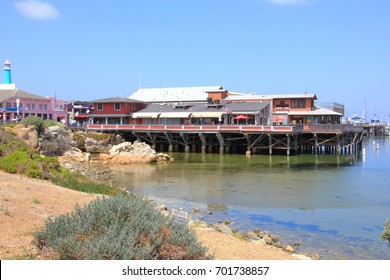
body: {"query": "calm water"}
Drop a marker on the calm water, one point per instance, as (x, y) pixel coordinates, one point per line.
(332, 205)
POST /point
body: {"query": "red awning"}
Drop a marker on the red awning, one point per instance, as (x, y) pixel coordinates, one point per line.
(81, 116)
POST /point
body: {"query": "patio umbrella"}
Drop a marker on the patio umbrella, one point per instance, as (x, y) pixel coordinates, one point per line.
(241, 117)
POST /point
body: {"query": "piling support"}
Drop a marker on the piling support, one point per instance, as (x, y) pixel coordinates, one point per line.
(288, 144)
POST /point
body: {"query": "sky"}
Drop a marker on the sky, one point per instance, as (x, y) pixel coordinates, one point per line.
(91, 49)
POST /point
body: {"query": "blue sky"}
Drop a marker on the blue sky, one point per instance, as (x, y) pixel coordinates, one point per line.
(338, 49)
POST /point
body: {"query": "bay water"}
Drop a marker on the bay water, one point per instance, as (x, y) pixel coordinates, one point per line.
(331, 205)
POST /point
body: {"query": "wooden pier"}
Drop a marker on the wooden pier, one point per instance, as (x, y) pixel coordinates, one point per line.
(248, 139)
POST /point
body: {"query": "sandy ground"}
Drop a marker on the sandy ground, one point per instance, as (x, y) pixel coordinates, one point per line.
(26, 203)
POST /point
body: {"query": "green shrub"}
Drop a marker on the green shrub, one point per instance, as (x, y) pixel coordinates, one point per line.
(386, 232)
(35, 121)
(79, 182)
(121, 228)
(99, 136)
(15, 162)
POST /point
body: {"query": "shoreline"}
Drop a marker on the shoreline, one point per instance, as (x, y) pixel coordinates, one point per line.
(26, 203)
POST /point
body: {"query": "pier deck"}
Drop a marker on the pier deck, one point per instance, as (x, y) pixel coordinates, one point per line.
(328, 138)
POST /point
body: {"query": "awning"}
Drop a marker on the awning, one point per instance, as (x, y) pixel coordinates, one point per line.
(82, 116)
(145, 115)
(175, 115)
(207, 114)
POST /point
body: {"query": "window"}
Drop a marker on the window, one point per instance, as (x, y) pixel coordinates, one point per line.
(32, 106)
(45, 107)
(117, 106)
(59, 108)
(298, 103)
(100, 106)
(133, 106)
(8, 105)
(28, 106)
(40, 106)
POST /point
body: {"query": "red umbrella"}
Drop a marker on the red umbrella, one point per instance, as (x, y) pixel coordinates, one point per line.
(241, 117)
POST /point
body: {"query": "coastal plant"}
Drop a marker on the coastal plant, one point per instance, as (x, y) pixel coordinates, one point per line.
(99, 136)
(35, 121)
(122, 228)
(81, 183)
(386, 232)
(36, 200)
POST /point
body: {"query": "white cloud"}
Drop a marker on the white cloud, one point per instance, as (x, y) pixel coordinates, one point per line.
(36, 9)
(288, 2)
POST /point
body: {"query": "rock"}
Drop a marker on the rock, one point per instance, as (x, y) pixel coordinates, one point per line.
(217, 207)
(274, 238)
(223, 228)
(29, 135)
(290, 249)
(267, 239)
(196, 210)
(73, 155)
(160, 157)
(54, 130)
(99, 142)
(208, 213)
(301, 257)
(315, 256)
(251, 236)
(127, 153)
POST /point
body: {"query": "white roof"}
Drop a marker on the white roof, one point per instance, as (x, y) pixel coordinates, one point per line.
(176, 94)
(318, 112)
(254, 96)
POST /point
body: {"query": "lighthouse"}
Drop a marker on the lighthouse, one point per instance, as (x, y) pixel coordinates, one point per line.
(7, 72)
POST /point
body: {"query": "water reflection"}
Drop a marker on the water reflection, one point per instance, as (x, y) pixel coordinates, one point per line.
(333, 205)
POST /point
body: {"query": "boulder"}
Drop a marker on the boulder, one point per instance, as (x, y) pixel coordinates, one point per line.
(127, 153)
(100, 142)
(267, 239)
(73, 155)
(28, 134)
(290, 249)
(160, 157)
(251, 236)
(223, 228)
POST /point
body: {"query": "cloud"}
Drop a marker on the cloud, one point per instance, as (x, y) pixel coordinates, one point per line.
(36, 9)
(288, 2)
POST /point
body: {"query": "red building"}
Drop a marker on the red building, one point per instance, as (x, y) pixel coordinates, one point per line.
(114, 110)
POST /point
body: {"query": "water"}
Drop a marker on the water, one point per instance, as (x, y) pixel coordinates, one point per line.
(334, 206)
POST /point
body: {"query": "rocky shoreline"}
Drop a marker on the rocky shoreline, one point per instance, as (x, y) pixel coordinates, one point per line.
(91, 153)
(256, 236)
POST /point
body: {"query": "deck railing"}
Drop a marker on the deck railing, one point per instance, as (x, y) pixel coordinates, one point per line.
(323, 128)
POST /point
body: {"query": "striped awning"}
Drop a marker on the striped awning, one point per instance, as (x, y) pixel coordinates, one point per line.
(145, 115)
(175, 115)
(207, 114)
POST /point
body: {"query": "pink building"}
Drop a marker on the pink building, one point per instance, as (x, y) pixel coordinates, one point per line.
(16, 103)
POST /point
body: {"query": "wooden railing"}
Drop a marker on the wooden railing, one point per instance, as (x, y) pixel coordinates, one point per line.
(324, 128)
